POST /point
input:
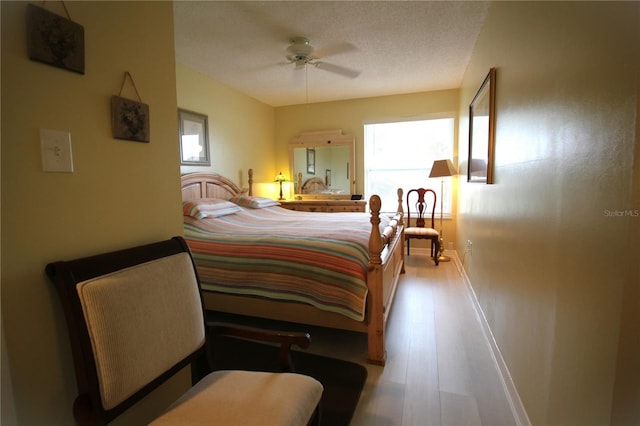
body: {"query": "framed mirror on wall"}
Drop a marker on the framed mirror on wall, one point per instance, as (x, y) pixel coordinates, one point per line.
(322, 165)
(194, 138)
(482, 118)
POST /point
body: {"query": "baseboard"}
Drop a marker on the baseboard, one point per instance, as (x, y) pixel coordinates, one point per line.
(517, 408)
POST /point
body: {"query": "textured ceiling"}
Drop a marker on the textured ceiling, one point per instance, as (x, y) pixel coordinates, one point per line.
(397, 46)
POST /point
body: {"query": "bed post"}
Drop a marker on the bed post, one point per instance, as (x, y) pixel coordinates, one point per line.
(400, 207)
(250, 181)
(375, 332)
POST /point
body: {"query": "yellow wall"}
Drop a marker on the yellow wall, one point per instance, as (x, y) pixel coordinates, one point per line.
(550, 263)
(626, 401)
(121, 193)
(241, 129)
(350, 116)
(551, 270)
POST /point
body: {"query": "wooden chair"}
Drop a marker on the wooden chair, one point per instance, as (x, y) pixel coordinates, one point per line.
(418, 203)
(136, 317)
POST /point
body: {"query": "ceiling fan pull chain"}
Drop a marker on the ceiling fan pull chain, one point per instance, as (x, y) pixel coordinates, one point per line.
(306, 81)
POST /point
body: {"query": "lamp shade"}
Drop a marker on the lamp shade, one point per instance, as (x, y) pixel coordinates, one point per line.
(280, 178)
(442, 168)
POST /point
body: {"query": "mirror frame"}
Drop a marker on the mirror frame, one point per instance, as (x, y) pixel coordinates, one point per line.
(320, 139)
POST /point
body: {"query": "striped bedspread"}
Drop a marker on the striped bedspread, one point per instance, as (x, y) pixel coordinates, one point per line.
(315, 258)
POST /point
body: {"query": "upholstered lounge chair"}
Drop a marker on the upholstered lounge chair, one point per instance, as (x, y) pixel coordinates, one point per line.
(136, 318)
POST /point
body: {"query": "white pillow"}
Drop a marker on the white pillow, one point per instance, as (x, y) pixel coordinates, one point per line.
(253, 202)
(208, 207)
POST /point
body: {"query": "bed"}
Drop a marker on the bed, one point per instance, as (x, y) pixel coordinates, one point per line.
(337, 270)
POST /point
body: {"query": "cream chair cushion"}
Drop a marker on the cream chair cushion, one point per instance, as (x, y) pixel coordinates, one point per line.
(243, 398)
(424, 232)
(123, 323)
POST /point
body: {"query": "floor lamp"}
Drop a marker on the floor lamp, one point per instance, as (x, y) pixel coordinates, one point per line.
(442, 169)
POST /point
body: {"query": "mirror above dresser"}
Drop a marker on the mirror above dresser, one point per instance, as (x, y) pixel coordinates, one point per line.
(323, 165)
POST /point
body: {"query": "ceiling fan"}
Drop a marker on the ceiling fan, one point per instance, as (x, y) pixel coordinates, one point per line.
(300, 52)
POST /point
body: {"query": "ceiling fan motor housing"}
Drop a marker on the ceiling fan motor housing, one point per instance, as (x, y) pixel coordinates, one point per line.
(299, 50)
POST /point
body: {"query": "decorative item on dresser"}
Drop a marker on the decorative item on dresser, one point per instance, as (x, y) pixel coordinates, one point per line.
(339, 270)
(280, 178)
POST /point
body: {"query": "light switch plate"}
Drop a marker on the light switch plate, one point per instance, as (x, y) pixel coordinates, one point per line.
(55, 147)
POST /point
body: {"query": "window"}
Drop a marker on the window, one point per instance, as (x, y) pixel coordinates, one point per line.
(400, 155)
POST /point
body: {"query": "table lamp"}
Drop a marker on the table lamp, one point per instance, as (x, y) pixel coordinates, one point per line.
(280, 178)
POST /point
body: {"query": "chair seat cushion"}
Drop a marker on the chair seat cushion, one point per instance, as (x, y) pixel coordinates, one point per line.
(246, 398)
(420, 232)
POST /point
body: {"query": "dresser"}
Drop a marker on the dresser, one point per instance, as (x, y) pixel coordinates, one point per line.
(328, 206)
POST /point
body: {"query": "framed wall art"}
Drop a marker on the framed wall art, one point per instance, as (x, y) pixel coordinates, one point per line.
(311, 161)
(55, 40)
(194, 138)
(129, 119)
(482, 122)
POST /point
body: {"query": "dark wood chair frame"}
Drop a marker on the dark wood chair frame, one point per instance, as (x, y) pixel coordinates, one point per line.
(420, 207)
(87, 407)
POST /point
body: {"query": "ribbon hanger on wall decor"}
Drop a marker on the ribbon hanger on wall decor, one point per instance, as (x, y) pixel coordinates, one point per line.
(64, 6)
(129, 118)
(133, 83)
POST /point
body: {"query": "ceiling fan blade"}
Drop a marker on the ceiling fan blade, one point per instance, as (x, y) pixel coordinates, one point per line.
(334, 49)
(337, 69)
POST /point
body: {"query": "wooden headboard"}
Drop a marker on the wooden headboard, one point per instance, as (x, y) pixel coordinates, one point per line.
(313, 186)
(211, 185)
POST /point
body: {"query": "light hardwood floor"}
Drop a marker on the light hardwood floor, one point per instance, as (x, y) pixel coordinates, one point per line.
(439, 368)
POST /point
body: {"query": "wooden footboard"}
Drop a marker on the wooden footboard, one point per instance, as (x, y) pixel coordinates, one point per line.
(386, 263)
